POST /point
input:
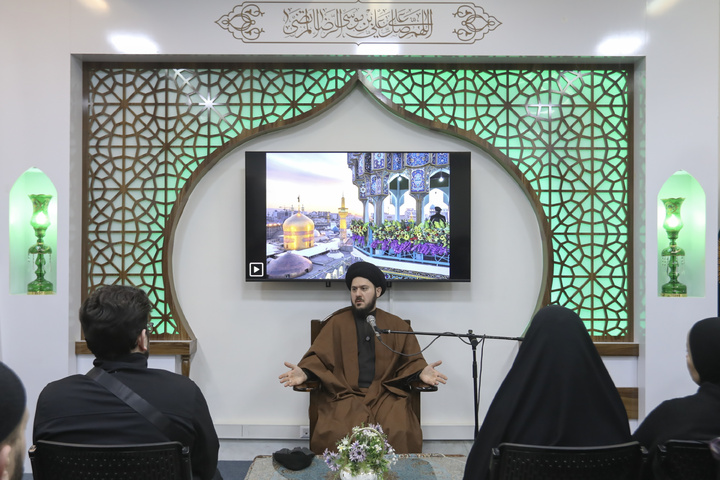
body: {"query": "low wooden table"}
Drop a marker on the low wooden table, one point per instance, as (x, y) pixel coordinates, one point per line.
(424, 466)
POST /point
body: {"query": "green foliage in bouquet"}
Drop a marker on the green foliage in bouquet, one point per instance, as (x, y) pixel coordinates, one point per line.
(364, 450)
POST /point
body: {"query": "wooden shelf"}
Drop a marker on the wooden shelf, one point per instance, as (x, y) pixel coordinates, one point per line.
(618, 349)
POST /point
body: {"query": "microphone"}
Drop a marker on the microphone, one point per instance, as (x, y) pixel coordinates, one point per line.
(371, 320)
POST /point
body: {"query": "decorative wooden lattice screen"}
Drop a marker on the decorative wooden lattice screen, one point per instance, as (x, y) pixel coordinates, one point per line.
(150, 133)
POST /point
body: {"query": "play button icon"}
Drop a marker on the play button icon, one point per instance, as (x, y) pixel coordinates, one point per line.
(257, 269)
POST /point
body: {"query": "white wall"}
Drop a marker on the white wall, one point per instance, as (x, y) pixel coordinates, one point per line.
(39, 126)
(681, 127)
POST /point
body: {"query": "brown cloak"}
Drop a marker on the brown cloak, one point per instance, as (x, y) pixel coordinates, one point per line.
(333, 357)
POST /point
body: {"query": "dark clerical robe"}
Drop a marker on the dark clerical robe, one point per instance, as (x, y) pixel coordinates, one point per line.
(333, 358)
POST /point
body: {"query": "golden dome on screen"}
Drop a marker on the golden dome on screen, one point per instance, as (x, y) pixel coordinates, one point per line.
(298, 232)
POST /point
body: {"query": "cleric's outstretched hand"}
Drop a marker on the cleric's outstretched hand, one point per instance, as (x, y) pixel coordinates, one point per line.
(293, 377)
(431, 376)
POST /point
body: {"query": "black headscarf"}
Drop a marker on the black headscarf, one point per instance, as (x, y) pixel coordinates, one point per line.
(704, 343)
(366, 270)
(557, 392)
(12, 401)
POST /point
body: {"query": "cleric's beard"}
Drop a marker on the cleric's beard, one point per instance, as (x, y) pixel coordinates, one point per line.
(365, 311)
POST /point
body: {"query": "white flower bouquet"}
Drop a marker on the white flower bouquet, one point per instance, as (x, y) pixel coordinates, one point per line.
(365, 451)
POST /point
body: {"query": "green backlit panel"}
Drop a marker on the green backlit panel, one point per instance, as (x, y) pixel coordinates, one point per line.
(150, 133)
(567, 133)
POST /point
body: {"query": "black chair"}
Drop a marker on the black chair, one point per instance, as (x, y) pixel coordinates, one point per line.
(685, 460)
(512, 461)
(69, 461)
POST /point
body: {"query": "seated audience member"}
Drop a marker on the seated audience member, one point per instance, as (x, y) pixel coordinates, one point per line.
(695, 417)
(557, 393)
(13, 418)
(78, 409)
(363, 381)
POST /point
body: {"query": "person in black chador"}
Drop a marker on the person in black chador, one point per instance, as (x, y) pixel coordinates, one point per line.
(557, 393)
(78, 409)
(695, 417)
(437, 216)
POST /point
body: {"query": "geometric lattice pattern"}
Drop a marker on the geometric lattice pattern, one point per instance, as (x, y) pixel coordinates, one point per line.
(151, 133)
(566, 135)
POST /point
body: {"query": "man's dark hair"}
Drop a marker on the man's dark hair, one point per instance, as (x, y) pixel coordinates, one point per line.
(112, 317)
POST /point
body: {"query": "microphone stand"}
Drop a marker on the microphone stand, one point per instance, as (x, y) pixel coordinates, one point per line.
(474, 340)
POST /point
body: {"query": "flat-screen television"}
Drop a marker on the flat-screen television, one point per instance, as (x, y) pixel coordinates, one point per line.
(310, 215)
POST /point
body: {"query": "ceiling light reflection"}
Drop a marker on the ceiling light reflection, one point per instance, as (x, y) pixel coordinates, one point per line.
(658, 7)
(619, 45)
(134, 44)
(378, 49)
(97, 5)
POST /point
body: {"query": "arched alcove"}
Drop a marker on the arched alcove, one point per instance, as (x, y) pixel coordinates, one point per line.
(22, 234)
(690, 250)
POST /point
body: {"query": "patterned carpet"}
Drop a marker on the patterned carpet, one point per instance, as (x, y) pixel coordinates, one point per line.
(408, 467)
(228, 470)
(415, 467)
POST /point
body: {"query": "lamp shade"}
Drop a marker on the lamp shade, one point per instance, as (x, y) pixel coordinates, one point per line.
(40, 220)
(673, 221)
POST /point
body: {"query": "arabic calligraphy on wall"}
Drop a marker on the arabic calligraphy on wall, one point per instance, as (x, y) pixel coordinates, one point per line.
(358, 22)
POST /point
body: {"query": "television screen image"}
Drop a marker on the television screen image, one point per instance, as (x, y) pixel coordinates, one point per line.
(310, 215)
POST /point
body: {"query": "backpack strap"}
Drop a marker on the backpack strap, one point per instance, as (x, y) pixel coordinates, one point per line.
(139, 404)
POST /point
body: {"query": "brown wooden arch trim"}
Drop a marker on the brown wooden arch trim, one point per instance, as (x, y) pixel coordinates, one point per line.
(222, 151)
(176, 208)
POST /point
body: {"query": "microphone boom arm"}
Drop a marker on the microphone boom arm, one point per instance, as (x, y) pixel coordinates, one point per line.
(474, 339)
(470, 335)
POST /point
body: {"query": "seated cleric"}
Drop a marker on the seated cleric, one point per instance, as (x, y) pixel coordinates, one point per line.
(87, 409)
(363, 380)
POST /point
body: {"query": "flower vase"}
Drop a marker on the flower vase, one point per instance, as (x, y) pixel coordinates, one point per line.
(347, 475)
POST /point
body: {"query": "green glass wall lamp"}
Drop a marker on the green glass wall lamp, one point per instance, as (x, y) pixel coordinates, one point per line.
(40, 222)
(673, 257)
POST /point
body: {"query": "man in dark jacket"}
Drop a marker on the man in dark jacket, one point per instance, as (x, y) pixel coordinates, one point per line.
(78, 409)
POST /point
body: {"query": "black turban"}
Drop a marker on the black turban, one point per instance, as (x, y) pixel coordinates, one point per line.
(366, 270)
(12, 401)
(704, 342)
(296, 459)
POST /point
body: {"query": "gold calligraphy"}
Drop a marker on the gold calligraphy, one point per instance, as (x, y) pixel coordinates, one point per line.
(358, 22)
